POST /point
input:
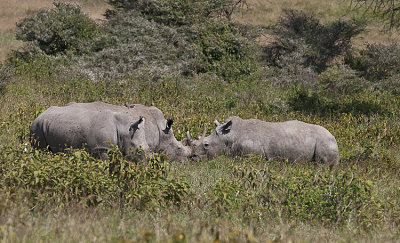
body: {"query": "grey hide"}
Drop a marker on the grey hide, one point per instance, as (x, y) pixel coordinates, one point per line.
(292, 140)
(158, 131)
(59, 128)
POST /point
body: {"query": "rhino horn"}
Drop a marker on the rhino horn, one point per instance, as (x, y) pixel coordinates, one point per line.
(216, 123)
(189, 138)
(204, 132)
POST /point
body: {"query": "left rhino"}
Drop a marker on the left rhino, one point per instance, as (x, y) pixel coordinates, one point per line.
(61, 128)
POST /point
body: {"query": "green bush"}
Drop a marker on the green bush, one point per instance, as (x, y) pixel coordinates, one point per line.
(176, 13)
(6, 74)
(59, 30)
(225, 196)
(308, 194)
(337, 89)
(340, 81)
(136, 46)
(64, 179)
(225, 51)
(173, 13)
(376, 62)
(321, 43)
(146, 39)
(324, 103)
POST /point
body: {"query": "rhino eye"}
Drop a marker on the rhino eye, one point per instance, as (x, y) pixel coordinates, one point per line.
(205, 145)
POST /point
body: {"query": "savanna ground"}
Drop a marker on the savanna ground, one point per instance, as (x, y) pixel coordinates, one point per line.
(196, 68)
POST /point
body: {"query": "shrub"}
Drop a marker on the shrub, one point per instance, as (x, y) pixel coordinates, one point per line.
(137, 47)
(145, 39)
(76, 177)
(377, 61)
(59, 30)
(324, 42)
(226, 195)
(291, 69)
(149, 51)
(390, 84)
(339, 197)
(339, 81)
(225, 51)
(176, 13)
(337, 89)
(6, 73)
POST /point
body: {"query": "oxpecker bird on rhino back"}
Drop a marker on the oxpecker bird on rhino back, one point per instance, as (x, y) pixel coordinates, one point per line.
(60, 128)
(292, 140)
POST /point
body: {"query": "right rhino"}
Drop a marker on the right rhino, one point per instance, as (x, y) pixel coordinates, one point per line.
(292, 140)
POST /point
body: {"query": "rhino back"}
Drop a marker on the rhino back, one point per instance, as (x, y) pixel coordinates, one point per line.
(154, 117)
(294, 140)
(60, 128)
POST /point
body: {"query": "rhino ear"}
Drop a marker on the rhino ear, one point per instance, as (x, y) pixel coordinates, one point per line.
(134, 126)
(225, 128)
(216, 123)
(170, 121)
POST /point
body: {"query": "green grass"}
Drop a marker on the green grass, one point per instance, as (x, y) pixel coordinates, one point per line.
(223, 202)
(7, 43)
(6, 38)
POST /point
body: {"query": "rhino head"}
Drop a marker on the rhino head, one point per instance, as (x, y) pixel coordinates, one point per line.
(195, 145)
(213, 145)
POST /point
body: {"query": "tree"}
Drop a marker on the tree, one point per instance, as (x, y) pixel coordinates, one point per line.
(387, 10)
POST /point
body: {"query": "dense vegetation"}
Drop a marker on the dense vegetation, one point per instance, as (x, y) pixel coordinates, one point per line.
(196, 64)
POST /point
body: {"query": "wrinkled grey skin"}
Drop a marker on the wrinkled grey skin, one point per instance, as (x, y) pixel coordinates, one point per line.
(60, 128)
(113, 128)
(292, 140)
(158, 132)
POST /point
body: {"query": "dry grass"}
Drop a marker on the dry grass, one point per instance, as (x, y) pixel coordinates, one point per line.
(13, 11)
(266, 12)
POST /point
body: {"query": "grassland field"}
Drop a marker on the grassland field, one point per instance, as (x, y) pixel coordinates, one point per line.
(74, 198)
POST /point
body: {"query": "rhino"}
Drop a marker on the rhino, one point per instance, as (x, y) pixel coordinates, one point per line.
(158, 133)
(292, 140)
(59, 129)
(110, 128)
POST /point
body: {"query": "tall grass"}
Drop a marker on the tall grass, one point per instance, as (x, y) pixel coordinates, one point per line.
(228, 199)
